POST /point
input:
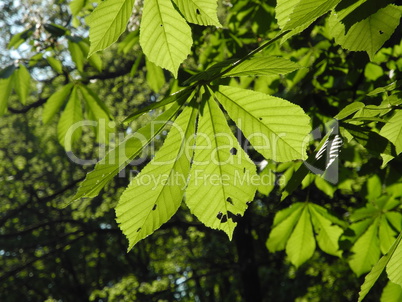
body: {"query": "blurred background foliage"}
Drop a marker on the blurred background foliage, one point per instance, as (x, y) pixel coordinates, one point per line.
(77, 253)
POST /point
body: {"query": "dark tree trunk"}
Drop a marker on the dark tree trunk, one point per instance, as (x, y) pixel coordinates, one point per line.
(247, 266)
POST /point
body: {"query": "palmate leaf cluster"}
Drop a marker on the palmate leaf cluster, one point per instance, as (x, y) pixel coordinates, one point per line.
(202, 161)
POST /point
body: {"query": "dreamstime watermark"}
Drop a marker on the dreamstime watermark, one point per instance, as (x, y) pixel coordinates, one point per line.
(220, 149)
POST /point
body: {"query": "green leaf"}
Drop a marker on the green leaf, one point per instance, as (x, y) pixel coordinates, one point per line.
(297, 15)
(95, 60)
(386, 234)
(6, 86)
(76, 6)
(283, 9)
(128, 42)
(101, 116)
(155, 77)
(284, 223)
(77, 55)
(263, 66)
(68, 131)
(328, 216)
(394, 266)
(90, 94)
(55, 29)
(325, 186)
(155, 194)
(202, 12)
(374, 188)
(327, 233)
(276, 128)
(395, 219)
(392, 293)
(370, 140)
(267, 181)
(55, 101)
(368, 34)
(118, 158)
(349, 110)
(389, 87)
(107, 22)
(20, 38)
(222, 175)
(22, 83)
(184, 93)
(165, 37)
(55, 64)
(366, 250)
(377, 269)
(211, 73)
(307, 11)
(301, 244)
(392, 131)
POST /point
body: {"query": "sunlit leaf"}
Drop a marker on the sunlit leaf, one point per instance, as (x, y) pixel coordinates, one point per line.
(284, 223)
(107, 22)
(156, 193)
(76, 6)
(155, 76)
(263, 66)
(307, 11)
(377, 269)
(349, 110)
(392, 130)
(368, 34)
(327, 234)
(275, 127)
(366, 250)
(221, 181)
(6, 86)
(22, 83)
(55, 101)
(102, 117)
(118, 158)
(394, 266)
(386, 234)
(202, 12)
(68, 131)
(165, 36)
(55, 64)
(301, 244)
(77, 55)
(392, 293)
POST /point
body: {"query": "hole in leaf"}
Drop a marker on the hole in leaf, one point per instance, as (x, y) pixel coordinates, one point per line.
(260, 118)
(233, 151)
(235, 218)
(229, 200)
(161, 25)
(248, 202)
(139, 229)
(244, 170)
(221, 217)
(198, 11)
(381, 32)
(154, 208)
